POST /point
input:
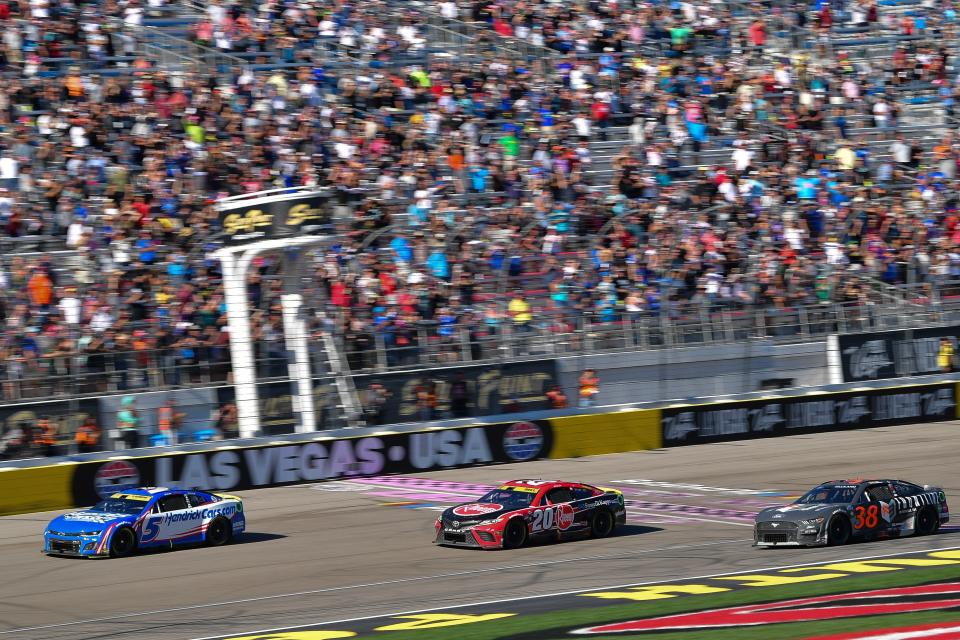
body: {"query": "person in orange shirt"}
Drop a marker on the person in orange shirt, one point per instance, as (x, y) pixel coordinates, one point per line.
(40, 288)
(88, 436)
(45, 437)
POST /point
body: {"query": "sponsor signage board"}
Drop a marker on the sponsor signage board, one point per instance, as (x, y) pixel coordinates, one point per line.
(65, 416)
(274, 216)
(806, 414)
(891, 354)
(299, 462)
(491, 389)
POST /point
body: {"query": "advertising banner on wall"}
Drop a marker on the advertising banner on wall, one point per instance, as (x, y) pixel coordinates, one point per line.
(806, 414)
(64, 416)
(489, 390)
(889, 354)
(298, 462)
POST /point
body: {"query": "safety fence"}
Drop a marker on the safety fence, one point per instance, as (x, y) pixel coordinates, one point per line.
(312, 458)
(197, 359)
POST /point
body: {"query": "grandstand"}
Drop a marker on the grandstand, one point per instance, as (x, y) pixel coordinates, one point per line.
(640, 178)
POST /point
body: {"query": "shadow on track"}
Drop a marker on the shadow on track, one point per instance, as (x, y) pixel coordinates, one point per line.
(622, 531)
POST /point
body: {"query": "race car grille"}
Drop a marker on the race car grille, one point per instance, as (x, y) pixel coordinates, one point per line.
(775, 537)
(776, 527)
(486, 536)
(454, 537)
(65, 546)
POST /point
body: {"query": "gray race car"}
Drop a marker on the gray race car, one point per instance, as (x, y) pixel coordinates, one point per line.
(837, 512)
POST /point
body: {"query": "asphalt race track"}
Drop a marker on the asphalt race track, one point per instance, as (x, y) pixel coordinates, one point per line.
(346, 550)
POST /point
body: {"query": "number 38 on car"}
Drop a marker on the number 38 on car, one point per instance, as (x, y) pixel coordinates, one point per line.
(522, 510)
(837, 512)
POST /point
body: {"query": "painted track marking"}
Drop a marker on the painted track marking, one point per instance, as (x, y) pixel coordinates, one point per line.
(630, 509)
(570, 593)
(612, 556)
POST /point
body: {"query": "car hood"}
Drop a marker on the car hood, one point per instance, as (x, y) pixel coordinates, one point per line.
(86, 521)
(797, 512)
(472, 513)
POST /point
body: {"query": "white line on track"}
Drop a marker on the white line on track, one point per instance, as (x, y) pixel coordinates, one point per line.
(527, 565)
(694, 518)
(568, 593)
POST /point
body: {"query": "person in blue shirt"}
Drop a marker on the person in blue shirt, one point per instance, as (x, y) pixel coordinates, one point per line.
(438, 265)
(478, 178)
(807, 186)
(401, 248)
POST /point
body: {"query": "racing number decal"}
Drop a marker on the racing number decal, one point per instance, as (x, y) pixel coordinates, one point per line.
(544, 519)
(151, 527)
(865, 517)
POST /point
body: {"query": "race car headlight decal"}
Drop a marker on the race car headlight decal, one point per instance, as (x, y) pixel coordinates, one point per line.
(89, 546)
(815, 522)
(88, 533)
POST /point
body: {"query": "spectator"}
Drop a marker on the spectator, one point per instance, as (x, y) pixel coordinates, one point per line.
(88, 436)
(128, 425)
(45, 437)
(13, 441)
(589, 387)
(945, 355)
(376, 398)
(459, 396)
(556, 399)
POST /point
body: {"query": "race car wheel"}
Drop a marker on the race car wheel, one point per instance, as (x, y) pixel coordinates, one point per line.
(122, 543)
(515, 534)
(838, 532)
(926, 522)
(218, 532)
(602, 523)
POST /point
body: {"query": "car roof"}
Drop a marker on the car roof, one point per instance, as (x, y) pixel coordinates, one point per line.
(539, 484)
(858, 482)
(150, 492)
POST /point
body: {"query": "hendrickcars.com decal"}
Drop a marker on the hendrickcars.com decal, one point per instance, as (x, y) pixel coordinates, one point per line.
(866, 587)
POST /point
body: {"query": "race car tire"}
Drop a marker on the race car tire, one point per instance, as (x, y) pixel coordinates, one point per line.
(926, 522)
(838, 531)
(515, 534)
(218, 532)
(602, 524)
(122, 543)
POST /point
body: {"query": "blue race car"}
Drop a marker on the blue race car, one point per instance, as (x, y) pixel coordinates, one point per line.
(142, 518)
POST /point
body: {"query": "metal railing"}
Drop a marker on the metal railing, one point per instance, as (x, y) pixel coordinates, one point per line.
(570, 333)
(555, 334)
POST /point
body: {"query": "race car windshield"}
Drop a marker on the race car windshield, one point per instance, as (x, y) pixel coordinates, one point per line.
(119, 505)
(828, 495)
(509, 498)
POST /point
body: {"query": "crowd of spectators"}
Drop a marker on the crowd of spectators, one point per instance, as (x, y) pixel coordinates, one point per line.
(633, 159)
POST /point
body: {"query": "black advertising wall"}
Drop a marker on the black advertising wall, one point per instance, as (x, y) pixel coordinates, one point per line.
(892, 354)
(311, 461)
(491, 390)
(807, 414)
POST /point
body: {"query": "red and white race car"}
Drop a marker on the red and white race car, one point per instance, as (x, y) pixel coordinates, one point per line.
(522, 510)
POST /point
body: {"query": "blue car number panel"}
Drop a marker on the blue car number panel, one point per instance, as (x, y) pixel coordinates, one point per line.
(142, 518)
